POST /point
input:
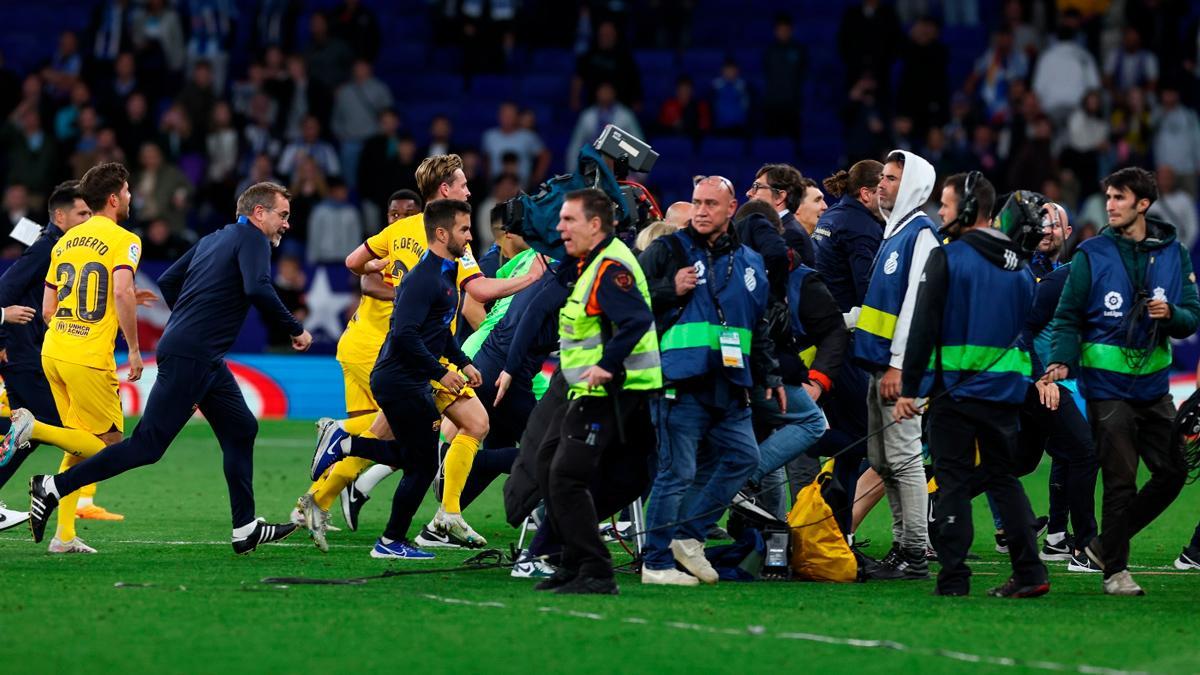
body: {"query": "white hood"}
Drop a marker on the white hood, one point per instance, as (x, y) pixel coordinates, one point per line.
(915, 187)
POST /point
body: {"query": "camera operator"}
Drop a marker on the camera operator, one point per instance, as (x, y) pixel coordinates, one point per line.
(710, 295)
(1131, 290)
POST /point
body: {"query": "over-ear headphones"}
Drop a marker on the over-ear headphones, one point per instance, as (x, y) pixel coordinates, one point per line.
(968, 210)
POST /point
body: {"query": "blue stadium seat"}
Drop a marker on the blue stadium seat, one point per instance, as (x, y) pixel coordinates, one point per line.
(494, 87)
(722, 148)
(655, 61)
(773, 149)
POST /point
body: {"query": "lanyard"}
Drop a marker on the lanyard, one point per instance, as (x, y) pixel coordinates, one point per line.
(713, 294)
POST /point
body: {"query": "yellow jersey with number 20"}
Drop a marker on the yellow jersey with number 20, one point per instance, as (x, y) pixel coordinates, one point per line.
(401, 244)
(83, 330)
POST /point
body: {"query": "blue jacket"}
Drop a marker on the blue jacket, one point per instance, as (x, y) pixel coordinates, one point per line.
(730, 299)
(847, 238)
(1112, 365)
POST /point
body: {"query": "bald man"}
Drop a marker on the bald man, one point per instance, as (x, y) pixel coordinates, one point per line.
(678, 214)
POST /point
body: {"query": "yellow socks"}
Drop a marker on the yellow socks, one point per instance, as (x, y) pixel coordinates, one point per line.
(341, 475)
(68, 504)
(357, 426)
(457, 467)
(73, 441)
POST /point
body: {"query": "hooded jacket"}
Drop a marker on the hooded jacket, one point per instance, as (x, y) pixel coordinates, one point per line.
(916, 184)
(934, 291)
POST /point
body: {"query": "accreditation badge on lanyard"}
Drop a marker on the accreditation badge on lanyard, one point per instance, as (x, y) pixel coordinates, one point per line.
(729, 340)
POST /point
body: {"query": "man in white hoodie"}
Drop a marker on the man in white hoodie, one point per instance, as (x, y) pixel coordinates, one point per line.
(882, 333)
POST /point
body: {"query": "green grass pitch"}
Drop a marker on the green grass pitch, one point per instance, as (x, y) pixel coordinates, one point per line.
(202, 609)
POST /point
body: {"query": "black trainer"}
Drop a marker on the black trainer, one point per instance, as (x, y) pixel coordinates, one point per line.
(561, 577)
(41, 505)
(1040, 525)
(903, 565)
(1079, 562)
(1189, 559)
(263, 533)
(1016, 589)
(1060, 551)
(585, 585)
(352, 500)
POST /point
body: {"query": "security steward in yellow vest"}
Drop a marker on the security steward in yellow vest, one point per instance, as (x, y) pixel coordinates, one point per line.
(608, 349)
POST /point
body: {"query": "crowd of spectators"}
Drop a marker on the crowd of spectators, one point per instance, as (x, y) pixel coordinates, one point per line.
(1060, 93)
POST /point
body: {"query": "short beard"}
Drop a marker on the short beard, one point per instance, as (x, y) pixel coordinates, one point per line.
(276, 240)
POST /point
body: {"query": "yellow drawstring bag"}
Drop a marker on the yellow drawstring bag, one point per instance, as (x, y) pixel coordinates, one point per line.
(819, 550)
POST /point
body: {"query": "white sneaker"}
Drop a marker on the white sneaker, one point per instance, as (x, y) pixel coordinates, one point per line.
(297, 516)
(671, 577)
(75, 545)
(533, 568)
(1122, 583)
(457, 530)
(10, 519)
(690, 554)
(317, 520)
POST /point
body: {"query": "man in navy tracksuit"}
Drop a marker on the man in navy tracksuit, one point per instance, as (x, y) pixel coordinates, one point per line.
(419, 337)
(846, 239)
(20, 342)
(210, 290)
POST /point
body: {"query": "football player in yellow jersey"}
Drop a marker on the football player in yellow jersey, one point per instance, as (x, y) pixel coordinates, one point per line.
(357, 351)
(89, 294)
(395, 251)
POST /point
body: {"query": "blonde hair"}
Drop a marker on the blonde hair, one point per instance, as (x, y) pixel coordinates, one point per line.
(435, 170)
(651, 232)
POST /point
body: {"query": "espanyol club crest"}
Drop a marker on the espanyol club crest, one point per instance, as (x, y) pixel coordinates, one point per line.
(700, 270)
(1160, 293)
(749, 280)
(892, 263)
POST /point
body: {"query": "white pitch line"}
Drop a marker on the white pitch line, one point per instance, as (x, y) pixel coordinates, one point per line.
(857, 643)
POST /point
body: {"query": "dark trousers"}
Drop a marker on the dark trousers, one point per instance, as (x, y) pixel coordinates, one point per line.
(182, 385)
(568, 461)
(1065, 436)
(955, 427)
(413, 418)
(845, 407)
(27, 388)
(1060, 506)
(508, 420)
(1125, 432)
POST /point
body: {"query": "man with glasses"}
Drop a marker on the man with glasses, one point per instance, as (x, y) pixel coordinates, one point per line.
(709, 294)
(781, 186)
(210, 290)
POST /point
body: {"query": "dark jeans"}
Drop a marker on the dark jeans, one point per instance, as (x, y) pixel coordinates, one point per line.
(27, 388)
(414, 417)
(845, 407)
(1125, 432)
(1065, 436)
(955, 428)
(182, 385)
(568, 461)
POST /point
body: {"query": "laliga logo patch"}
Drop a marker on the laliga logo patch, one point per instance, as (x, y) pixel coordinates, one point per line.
(1160, 293)
(893, 262)
(1112, 303)
(135, 253)
(1010, 260)
(749, 280)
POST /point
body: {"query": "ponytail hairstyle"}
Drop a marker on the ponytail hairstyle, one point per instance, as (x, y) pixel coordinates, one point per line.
(864, 174)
